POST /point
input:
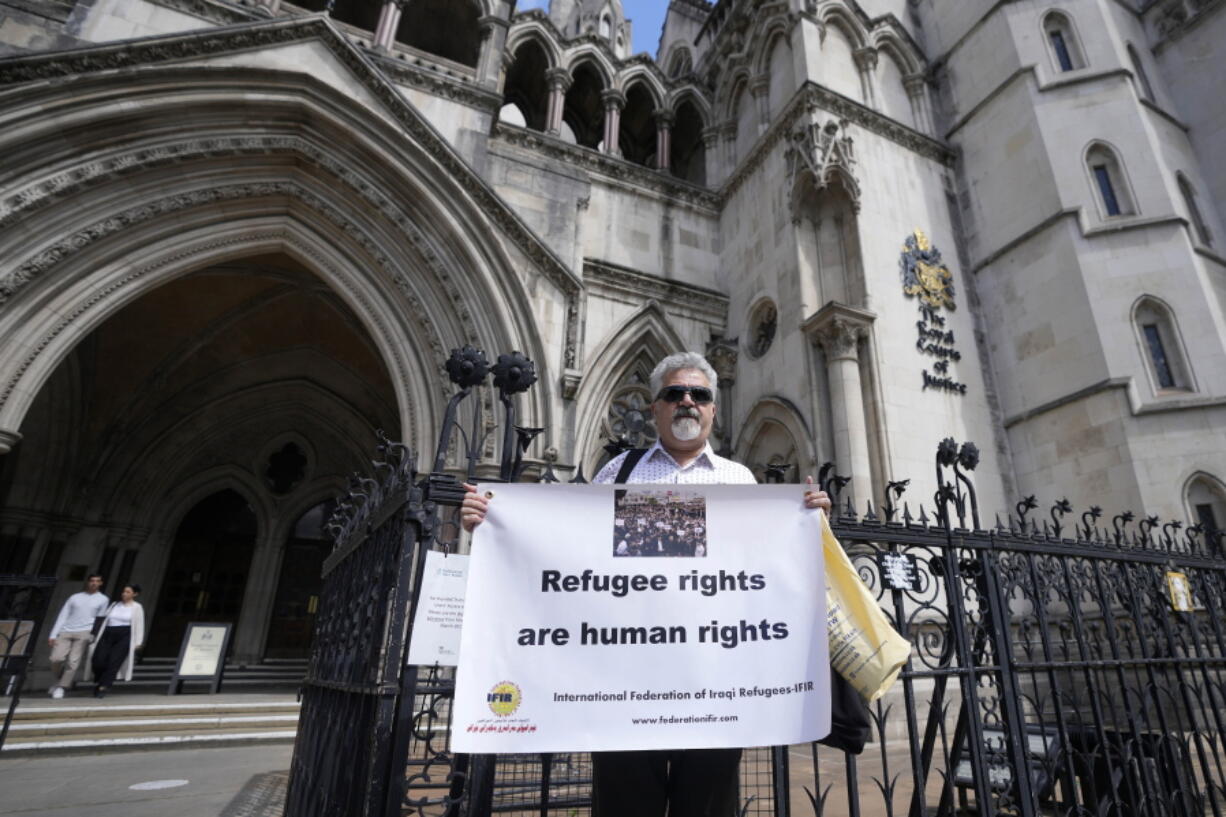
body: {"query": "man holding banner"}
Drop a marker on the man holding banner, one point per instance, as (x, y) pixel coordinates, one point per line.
(683, 783)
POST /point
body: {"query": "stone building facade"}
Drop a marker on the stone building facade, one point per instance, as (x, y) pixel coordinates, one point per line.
(238, 237)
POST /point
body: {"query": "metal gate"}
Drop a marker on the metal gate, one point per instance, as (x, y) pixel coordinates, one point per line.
(1068, 665)
(23, 610)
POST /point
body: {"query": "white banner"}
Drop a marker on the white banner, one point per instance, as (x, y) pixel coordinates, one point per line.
(611, 617)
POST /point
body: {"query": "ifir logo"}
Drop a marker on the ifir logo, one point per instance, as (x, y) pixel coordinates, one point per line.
(504, 698)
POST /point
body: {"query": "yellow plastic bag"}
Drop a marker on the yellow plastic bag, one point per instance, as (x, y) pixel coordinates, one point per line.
(864, 647)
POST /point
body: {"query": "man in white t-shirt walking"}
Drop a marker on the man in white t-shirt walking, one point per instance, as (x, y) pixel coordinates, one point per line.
(72, 632)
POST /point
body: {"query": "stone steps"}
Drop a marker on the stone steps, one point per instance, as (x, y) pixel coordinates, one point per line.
(83, 725)
(157, 672)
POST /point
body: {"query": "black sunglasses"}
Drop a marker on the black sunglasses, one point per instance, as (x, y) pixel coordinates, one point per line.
(701, 395)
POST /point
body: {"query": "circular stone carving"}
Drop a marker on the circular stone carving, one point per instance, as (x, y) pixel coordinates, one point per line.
(762, 325)
(629, 417)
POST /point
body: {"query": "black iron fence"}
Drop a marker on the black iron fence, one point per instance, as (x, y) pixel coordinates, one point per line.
(23, 610)
(1066, 665)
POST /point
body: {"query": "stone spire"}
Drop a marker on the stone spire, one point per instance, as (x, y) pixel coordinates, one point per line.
(605, 18)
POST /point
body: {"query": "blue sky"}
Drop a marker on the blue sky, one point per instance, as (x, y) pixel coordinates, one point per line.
(647, 15)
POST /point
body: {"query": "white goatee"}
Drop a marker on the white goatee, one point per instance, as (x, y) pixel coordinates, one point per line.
(686, 429)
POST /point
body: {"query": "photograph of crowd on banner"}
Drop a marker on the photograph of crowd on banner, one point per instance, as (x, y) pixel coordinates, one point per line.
(659, 522)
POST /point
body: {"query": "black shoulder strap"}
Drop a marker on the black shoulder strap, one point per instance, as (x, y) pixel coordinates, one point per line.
(632, 459)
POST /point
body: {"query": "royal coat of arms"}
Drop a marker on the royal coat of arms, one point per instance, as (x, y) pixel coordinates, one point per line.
(924, 273)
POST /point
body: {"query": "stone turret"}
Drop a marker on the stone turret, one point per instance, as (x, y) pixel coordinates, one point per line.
(606, 18)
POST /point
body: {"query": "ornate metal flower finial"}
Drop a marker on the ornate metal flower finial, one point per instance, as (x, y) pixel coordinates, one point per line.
(514, 373)
(467, 367)
(968, 457)
(947, 452)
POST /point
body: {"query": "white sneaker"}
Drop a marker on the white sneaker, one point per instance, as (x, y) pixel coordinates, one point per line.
(57, 692)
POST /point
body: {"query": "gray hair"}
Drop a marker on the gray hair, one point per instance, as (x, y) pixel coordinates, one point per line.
(682, 360)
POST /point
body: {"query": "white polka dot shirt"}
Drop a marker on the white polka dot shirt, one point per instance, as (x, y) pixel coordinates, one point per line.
(658, 466)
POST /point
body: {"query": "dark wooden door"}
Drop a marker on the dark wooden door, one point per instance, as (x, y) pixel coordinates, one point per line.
(297, 599)
(208, 569)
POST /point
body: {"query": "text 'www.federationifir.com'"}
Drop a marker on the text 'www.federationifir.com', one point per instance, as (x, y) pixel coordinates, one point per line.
(673, 719)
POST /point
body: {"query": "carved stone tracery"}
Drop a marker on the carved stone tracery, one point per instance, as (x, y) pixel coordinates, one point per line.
(822, 152)
(279, 32)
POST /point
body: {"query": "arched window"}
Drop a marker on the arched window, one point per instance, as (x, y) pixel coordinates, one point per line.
(637, 139)
(689, 153)
(1206, 499)
(1138, 71)
(782, 76)
(583, 111)
(357, 13)
(1109, 183)
(746, 117)
(1160, 345)
(445, 28)
(606, 26)
(1189, 202)
(1065, 50)
(680, 63)
(526, 98)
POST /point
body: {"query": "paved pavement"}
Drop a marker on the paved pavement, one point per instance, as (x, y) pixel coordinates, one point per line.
(240, 781)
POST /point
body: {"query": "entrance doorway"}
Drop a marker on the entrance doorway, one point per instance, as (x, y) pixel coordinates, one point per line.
(297, 599)
(208, 569)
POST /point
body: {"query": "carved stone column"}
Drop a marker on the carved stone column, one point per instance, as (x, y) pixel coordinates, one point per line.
(493, 41)
(614, 100)
(710, 147)
(722, 355)
(866, 62)
(760, 88)
(559, 83)
(664, 137)
(389, 21)
(727, 133)
(269, 7)
(921, 109)
(264, 574)
(837, 329)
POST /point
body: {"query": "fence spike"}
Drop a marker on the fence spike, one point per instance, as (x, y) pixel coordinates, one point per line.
(923, 517)
(906, 514)
(869, 516)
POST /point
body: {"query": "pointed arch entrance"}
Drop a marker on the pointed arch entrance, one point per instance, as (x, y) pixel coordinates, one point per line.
(234, 296)
(205, 418)
(210, 563)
